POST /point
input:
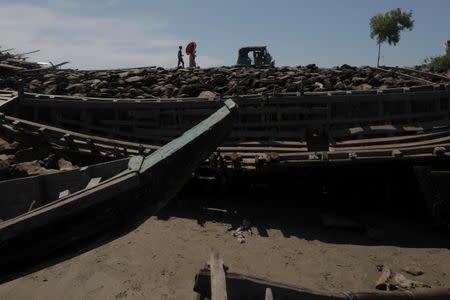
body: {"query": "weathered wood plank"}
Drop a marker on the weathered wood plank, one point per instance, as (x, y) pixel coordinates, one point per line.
(218, 279)
(93, 182)
(63, 194)
(269, 295)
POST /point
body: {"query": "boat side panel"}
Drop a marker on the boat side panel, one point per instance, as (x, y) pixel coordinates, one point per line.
(58, 211)
(167, 169)
(17, 196)
(203, 130)
(24, 194)
(278, 117)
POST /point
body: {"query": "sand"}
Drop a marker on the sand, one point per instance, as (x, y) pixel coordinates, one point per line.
(159, 259)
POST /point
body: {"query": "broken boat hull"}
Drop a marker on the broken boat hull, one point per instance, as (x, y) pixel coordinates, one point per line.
(47, 212)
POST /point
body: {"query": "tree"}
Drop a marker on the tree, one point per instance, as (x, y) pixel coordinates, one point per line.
(387, 27)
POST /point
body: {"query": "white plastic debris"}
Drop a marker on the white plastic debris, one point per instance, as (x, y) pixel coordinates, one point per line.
(240, 232)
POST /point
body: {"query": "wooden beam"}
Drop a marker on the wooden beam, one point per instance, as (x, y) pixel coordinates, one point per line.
(64, 194)
(93, 182)
(218, 279)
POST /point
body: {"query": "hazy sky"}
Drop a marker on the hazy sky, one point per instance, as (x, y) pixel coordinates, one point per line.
(113, 33)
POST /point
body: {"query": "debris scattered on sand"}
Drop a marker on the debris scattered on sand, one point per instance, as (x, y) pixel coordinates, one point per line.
(383, 281)
(240, 232)
(399, 281)
(390, 280)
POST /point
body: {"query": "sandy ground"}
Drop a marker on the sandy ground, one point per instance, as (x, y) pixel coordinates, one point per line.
(159, 259)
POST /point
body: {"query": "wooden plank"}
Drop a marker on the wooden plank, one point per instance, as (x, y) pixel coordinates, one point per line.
(395, 144)
(395, 139)
(82, 145)
(205, 128)
(72, 134)
(218, 279)
(66, 102)
(269, 295)
(242, 99)
(382, 129)
(243, 149)
(63, 194)
(265, 143)
(202, 103)
(93, 182)
(424, 73)
(393, 70)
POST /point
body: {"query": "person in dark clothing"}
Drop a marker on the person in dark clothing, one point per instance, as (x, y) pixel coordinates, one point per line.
(180, 57)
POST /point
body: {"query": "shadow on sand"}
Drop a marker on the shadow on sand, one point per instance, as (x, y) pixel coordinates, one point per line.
(384, 211)
(385, 216)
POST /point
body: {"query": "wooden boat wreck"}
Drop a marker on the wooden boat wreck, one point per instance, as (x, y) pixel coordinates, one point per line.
(279, 132)
(73, 205)
(286, 130)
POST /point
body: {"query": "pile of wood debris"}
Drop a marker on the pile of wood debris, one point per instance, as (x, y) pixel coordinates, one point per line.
(14, 64)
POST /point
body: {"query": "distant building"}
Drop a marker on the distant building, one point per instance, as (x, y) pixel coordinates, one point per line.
(447, 46)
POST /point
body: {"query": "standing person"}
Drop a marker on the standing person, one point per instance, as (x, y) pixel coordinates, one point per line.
(192, 56)
(180, 57)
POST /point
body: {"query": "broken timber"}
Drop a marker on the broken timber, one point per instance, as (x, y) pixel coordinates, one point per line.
(216, 284)
(16, 63)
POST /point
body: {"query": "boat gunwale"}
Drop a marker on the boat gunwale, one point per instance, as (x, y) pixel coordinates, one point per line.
(327, 94)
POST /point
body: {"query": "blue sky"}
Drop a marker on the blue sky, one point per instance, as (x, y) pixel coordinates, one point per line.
(112, 33)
